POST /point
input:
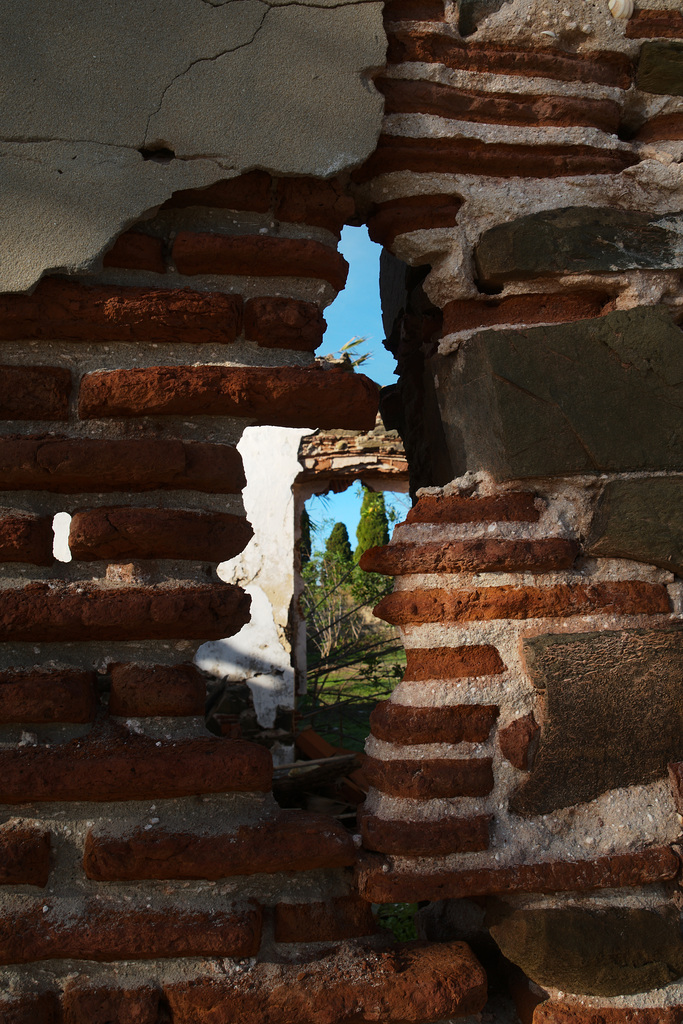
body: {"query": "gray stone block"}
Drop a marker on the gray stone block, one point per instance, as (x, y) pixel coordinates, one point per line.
(642, 520)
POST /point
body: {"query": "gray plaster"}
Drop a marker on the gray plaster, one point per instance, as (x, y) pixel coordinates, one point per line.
(88, 83)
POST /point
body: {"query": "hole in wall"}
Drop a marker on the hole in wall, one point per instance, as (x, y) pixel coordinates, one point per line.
(61, 525)
(158, 154)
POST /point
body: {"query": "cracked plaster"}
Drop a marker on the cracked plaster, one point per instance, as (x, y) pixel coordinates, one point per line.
(227, 87)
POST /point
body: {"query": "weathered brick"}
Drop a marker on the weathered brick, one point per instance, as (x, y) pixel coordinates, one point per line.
(119, 534)
(414, 10)
(503, 59)
(650, 24)
(284, 396)
(63, 310)
(551, 1012)
(39, 696)
(90, 1003)
(291, 841)
(24, 854)
(430, 779)
(498, 159)
(511, 507)
(452, 662)
(142, 691)
(379, 885)
(252, 191)
(56, 612)
(412, 213)
(346, 917)
(629, 597)
(134, 250)
(258, 256)
(411, 983)
(480, 555)
(29, 1008)
(65, 465)
(456, 723)
(26, 537)
(106, 928)
(517, 740)
(322, 204)
(34, 392)
(425, 838)
(114, 764)
(662, 128)
(276, 322)
(408, 96)
(471, 314)
(676, 778)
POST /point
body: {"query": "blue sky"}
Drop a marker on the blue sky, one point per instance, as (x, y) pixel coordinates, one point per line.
(356, 312)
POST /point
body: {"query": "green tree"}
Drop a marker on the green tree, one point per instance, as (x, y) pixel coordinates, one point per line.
(305, 540)
(373, 528)
(338, 545)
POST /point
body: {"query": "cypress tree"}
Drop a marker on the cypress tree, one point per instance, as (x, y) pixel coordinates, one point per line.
(305, 541)
(338, 546)
(373, 528)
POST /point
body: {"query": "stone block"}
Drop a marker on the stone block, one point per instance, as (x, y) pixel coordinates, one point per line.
(641, 520)
(612, 714)
(660, 68)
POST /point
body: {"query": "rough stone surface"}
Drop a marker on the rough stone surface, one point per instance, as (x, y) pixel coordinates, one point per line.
(412, 983)
(452, 662)
(660, 68)
(24, 854)
(285, 396)
(612, 714)
(458, 723)
(65, 465)
(115, 764)
(471, 12)
(335, 920)
(379, 885)
(579, 240)
(39, 696)
(598, 951)
(108, 929)
(140, 691)
(554, 400)
(517, 741)
(485, 555)
(430, 779)
(56, 612)
(425, 838)
(640, 520)
(120, 534)
(292, 841)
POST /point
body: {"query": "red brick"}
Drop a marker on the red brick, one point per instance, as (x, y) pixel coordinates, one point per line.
(517, 741)
(142, 691)
(452, 662)
(63, 310)
(604, 68)
(252, 191)
(29, 1008)
(65, 465)
(114, 764)
(629, 597)
(654, 24)
(425, 838)
(322, 204)
(24, 854)
(34, 392)
(430, 779)
(332, 921)
(412, 213)
(676, 777)
(118, 534)
(472, 314)
(57, 612)
(84, 1003)
(26, 537)
(135, 251)
(106, 928)
(291, 841)
(411, 983)
(481, 555)
(258, 256)
(495, 159)
(284, 396)
(579, 1013)
(414, 10)
(275, 322)
(662, 128)
(38, 696)
(407, 96)
(511, 507)
(379, 885)
(456, 723)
